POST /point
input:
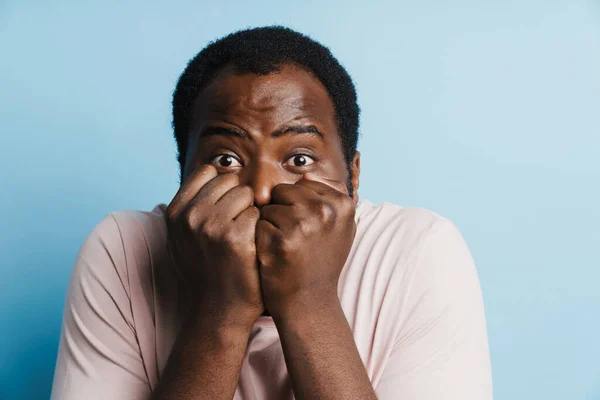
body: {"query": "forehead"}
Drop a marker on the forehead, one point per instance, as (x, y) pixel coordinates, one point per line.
(288, 94)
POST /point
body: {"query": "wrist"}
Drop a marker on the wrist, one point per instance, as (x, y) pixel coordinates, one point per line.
(224, 317)
(308, 310)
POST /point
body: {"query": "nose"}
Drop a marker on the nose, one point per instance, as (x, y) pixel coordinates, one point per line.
(262, 178)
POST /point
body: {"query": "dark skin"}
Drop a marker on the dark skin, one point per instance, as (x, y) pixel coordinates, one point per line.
(263, 222)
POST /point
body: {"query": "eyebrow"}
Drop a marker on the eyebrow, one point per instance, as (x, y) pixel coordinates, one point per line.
(223, 131)
(298, 129)
(240, 133)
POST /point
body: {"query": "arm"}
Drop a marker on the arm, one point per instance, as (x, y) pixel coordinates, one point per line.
(441, 349)
(321, 355)
(211, 226)
(99, 356)
(303, 240)
(211, 234)
(206, 359)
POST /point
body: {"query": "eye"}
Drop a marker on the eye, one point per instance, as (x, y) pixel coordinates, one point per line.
(300, 160)
(226, 161)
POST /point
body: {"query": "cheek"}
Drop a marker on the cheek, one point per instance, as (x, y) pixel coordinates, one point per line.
(336, 164)
(336, 170)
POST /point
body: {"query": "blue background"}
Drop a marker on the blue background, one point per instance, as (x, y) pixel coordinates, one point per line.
(487, 112)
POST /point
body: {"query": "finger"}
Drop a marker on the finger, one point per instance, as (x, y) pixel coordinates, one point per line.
(278, 215)
(190, 188)
(290, 194)
(216, 188)
(235, 201)
(248, 219)
(316, 182)
(266, 234)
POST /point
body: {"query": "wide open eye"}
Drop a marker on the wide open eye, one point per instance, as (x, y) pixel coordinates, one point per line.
(226, 161)
(299, 160)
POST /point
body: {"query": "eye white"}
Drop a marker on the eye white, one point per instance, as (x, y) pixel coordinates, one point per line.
(226, 161)
(300, 160)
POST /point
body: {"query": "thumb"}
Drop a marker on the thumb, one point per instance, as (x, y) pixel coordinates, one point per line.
(337, 185)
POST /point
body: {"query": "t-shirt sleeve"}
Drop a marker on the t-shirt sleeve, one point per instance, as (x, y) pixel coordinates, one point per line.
(99, 357)
(441, 351)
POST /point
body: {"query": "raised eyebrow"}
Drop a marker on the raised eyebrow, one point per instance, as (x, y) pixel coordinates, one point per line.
(222, 131)
(298, 129)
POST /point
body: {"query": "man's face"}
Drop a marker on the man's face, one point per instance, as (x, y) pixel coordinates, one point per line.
(268, 129)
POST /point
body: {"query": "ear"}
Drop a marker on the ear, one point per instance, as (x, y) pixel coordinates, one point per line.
(355, 176)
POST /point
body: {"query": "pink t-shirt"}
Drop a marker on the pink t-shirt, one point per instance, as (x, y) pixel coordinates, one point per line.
(409, 290)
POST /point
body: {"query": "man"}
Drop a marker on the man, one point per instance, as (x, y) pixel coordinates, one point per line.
(264, 278)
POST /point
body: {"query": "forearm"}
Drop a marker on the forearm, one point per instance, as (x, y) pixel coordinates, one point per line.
(206, 360)
(321, 355)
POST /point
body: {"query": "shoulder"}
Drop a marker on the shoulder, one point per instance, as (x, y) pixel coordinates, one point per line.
(418, 253)
(399, 247)
(406, 227)
(124, 247)
(422, 286)
(137, 231)
(388, 246)
(134, 225)
(413, 217)
(122, 226)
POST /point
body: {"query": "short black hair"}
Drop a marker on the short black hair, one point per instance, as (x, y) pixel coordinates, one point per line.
(262, 51)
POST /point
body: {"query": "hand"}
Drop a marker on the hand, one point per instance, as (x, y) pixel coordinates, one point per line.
(211, 229)
(303, 239)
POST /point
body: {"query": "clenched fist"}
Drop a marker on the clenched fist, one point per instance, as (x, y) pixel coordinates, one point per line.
(211, 229)
(303, 239)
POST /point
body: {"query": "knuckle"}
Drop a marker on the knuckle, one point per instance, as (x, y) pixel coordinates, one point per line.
(171, 213)
(288, 245)
(347, 207)
(326, 212)
(210, 230)
(305, 227)
(189, 217)
(230, 236)
(265, 258)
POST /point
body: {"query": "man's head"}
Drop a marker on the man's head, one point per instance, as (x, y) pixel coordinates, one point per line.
(269, 104)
